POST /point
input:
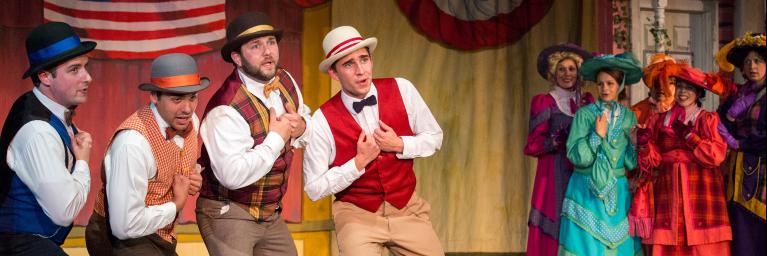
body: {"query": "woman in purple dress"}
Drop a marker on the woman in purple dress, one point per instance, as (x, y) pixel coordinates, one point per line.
(745, 131)
(550, 116)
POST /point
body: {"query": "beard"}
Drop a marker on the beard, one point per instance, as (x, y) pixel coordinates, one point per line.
(255, 72)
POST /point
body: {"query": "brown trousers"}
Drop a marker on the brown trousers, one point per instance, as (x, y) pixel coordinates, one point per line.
(229, 230)
(100, 241)
(405, 231)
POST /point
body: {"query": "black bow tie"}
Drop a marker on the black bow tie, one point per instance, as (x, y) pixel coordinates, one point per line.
(369, 101)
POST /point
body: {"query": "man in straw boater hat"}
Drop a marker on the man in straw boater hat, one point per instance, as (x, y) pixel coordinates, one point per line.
(248, 131)
(150, 166)
(44, 174)
(362, 150)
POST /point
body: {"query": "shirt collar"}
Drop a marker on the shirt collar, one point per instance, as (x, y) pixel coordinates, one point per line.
(562, 97)
(160, 122)
(57, 109)
(254, 86)
(348, 99)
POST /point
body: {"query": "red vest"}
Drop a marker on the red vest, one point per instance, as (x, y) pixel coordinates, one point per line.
(386, 178)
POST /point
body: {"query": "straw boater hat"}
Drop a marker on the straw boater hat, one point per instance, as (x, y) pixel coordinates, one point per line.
(341, 41)
(175, 73)
(551, 56)
(244, 28)
(625, 62)
(51, 44)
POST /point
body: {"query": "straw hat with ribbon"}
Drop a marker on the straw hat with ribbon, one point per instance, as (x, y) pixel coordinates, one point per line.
(341, 41)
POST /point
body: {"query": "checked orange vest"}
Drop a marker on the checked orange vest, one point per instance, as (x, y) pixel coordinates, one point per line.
(264, 197)
(386, 178)
(169, 159)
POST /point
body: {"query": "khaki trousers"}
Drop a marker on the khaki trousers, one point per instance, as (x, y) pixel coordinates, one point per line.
(229, 230)
(405, 231)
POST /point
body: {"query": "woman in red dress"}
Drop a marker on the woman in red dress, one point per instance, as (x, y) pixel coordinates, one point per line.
(683, 149)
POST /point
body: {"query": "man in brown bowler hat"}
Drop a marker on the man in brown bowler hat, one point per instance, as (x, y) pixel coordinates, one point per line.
(250, 126)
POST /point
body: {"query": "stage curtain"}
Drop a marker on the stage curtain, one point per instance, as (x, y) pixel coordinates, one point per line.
(479, 183)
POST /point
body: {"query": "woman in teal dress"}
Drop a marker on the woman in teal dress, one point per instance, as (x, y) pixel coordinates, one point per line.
(597, 200)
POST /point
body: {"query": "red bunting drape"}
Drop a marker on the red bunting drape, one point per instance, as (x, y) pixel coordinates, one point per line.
(471, 25)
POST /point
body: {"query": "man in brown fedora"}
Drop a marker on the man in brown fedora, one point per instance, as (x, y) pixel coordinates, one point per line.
(44, 174)
(150, 166)
(249, 129)
(362, 149)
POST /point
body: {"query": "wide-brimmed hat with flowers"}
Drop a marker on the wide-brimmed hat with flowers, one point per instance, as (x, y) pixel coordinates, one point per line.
(733, 53)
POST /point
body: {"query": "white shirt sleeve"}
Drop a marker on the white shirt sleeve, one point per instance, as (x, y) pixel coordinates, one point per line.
(305, 112)
(36, 154)
(236, 163)
(428, 135)
(129, 165)
(319, 181)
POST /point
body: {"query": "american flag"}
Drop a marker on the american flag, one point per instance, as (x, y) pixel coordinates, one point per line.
(130, 29)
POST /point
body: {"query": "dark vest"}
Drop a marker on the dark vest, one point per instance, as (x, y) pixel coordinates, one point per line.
(19, 210)
(386, 178)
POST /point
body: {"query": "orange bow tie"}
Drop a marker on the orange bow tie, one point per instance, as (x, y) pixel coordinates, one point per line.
(273, 86)
(170, 133)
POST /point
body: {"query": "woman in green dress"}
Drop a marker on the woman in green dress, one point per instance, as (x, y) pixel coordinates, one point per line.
(597, 200)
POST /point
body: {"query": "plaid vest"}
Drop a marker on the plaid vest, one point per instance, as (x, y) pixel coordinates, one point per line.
(264, 197)
(169, 159)
(386, 178)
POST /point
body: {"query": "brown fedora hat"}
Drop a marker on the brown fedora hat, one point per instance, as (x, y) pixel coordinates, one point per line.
(244, 28)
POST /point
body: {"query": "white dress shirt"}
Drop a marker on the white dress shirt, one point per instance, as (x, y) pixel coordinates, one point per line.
(319, 181)
(236, 163)
(36, 154)
(129, 166)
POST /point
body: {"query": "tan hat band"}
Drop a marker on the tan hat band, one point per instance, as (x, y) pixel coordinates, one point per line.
(255, 29)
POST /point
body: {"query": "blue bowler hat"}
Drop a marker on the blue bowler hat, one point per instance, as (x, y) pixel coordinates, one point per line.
(51, 44)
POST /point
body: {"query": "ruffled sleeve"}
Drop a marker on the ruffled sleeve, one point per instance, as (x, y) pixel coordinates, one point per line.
(583, 142)
(539, 140)
(709, 148)
(649, 155)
